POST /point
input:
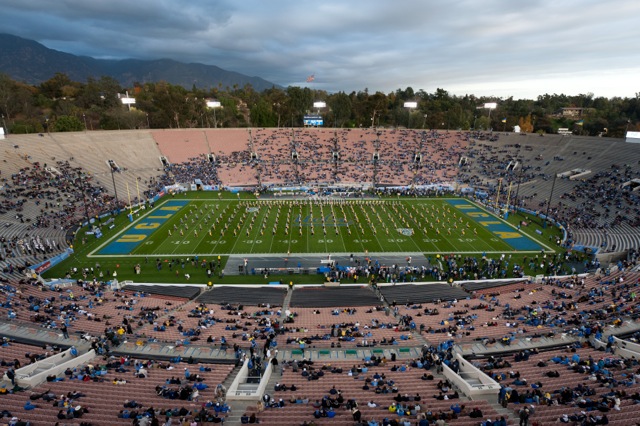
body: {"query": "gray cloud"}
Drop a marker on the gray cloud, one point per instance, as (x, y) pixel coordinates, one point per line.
(490, 47)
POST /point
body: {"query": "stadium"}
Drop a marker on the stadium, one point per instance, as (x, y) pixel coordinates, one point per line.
(319, 276)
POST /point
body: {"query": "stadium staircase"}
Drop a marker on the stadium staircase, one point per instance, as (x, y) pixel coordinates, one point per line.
(287, 299)
(238, 407)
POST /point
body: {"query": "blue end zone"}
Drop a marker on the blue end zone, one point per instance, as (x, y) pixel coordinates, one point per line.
(136, 235)
(506, 233)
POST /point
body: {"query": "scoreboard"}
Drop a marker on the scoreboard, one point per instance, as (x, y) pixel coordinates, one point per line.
(313, 120)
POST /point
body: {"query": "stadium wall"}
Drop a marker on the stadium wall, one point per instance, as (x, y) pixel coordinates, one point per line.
(606, 258)
(49, 263)
(28, 377)
(472, 382)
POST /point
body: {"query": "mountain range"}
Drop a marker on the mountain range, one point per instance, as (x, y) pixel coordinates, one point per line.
(31, 62)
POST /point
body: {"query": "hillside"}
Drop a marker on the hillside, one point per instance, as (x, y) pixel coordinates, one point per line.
(31, 62)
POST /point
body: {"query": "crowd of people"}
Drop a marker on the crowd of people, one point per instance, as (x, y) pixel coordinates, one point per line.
(108, 369)
(599, 201)
(59, 196)
(381, 400)
(577, 306)
(586, 402)
(41, 203)
(200, 168)
(318, 157)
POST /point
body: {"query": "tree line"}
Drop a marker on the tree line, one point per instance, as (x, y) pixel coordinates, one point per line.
(59, 105)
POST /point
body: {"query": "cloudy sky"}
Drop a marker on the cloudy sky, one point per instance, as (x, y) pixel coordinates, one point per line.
(484, 47)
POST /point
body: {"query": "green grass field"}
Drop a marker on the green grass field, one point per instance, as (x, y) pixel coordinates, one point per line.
(252, 227)
(207, 225)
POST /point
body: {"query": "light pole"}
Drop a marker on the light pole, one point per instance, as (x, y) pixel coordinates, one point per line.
(490, 106)
(84, 196)
(410, 105)
(214, 104)
(321, 105)
(519, 179)
(275, 104)
(115, 189)
(6, 130)
(546, 216)
(490, 128)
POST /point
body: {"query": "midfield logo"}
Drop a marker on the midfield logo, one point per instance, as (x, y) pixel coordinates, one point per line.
(406, 231)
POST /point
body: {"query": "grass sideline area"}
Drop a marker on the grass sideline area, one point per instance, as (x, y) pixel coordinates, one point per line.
(189, 228)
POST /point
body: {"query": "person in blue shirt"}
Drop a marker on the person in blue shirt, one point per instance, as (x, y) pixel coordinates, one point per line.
(520, 382)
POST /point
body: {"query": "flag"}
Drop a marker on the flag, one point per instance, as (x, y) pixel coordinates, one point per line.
(504, 120)
(580, 122)
(311, 78)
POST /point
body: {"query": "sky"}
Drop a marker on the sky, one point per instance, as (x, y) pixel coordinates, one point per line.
(495, 48)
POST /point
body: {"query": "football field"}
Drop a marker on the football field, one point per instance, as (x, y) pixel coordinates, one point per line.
(225, 226)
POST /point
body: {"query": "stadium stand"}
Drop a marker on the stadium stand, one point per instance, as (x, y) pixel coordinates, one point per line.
(117, 390)
(187, 292)
(244, 295)
(596, 209)
(513, 330)
(407, 379)
(578, 383)
(180, 146)
(316, 297)
(410, 294)
(232, 151)
(481, 285)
